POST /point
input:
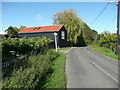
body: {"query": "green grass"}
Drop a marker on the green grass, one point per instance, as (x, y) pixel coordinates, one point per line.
(104, 51)
(57, 79)
(64, 48)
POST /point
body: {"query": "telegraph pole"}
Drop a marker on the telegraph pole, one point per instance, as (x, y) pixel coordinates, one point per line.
(118, 27)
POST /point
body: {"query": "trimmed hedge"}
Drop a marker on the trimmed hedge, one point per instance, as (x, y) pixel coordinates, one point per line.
(24, 46)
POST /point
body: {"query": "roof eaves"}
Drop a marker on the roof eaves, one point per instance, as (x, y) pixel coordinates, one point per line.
(37, 32)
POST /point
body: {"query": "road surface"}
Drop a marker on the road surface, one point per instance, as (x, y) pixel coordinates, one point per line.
(87, 69)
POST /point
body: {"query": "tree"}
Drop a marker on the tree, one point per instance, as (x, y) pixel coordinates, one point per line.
(107, 40)
(89, 34)
(81, 40)
(72, 23)
(21, 27)
(12, 31)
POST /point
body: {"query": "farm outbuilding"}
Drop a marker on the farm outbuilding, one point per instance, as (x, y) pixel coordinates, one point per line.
(47, 31)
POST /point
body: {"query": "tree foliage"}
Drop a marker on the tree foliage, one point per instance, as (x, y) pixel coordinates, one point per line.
(89, 34)
(107, 40)
(75, 26)
(12, 31)
(21, 27)
(71, 22)
(24, 46)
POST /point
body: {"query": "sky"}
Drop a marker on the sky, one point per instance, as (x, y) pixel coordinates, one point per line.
(31, 14)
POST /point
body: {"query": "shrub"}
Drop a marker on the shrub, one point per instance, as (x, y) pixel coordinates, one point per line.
(30, 76)
(23, 46)
(107, 45)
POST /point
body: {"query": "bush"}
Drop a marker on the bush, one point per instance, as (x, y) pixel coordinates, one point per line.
(24, 46)
(107, 45)
(30, 76)
(113, 47)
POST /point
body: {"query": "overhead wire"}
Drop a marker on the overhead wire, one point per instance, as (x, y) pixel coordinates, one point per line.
(100, 13)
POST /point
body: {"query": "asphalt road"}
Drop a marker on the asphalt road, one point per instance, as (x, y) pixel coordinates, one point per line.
(87, 69)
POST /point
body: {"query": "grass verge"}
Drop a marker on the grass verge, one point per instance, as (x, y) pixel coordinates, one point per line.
(28, 73)
(38, 71)
(64, 48)
(104, 51)
(57, 78)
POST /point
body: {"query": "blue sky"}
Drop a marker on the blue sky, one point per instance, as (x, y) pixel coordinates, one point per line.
(32, 14)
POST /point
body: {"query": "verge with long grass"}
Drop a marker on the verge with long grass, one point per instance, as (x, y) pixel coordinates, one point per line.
(57, 78)
(104, 51)
(42, 68)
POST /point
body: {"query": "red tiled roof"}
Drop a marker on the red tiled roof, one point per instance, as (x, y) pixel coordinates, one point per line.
(41, 29)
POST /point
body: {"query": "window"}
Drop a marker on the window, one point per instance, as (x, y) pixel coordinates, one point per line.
(62, 34)
(39, 28)
(35, 28)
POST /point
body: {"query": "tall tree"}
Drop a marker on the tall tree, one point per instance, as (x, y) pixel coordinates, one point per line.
(72, 23)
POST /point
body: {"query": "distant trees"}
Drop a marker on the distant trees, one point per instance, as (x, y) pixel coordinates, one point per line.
(89, 34)
(21, 27)
(79, 33)
(12, 31)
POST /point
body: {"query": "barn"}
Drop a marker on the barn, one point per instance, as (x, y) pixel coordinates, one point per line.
(47, 31)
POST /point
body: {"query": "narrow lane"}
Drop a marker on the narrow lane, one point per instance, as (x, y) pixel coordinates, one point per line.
(87, 69)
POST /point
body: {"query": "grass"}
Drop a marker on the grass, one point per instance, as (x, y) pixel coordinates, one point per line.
(64, 48)
(57, 79)
(104, 51)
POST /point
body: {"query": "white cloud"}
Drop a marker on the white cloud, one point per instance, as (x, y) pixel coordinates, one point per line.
(38, 17)
(3, 32)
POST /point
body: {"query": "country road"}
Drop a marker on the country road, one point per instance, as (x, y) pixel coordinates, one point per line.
(87, 69)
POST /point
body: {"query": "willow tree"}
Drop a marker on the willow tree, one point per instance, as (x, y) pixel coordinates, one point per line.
(72, 23)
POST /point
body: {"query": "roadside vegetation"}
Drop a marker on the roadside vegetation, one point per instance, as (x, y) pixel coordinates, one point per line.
(57, 79)
(104, 51)
(105, 44)
(31, 64)
(29, 73)
(65, 48)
